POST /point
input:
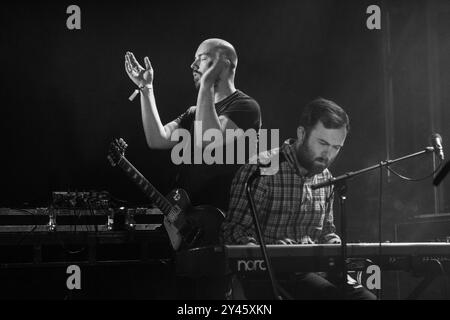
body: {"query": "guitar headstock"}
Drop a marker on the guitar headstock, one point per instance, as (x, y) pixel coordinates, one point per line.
(116, 151)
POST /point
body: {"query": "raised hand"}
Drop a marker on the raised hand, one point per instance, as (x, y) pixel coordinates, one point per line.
(217, 71)
(139, 75)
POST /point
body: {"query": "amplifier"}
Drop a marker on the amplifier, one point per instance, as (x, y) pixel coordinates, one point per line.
(424, 228)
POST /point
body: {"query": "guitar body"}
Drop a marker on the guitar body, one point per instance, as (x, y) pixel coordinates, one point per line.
(191, 226)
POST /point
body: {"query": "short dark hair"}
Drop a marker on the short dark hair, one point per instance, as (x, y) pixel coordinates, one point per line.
(326, 111)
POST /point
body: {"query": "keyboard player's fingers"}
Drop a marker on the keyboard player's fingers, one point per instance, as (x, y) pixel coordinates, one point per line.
(286, 241)
(290, 241)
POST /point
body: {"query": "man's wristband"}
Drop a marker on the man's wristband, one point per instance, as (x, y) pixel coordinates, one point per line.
(135, 93)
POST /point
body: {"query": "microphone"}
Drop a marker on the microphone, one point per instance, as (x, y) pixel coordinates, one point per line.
(436, 141)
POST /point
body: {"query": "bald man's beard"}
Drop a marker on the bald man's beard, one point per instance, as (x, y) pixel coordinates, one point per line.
(197, 76)
(197, 81)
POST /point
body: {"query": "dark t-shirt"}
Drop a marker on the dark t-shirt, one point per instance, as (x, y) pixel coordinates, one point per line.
(210, 184)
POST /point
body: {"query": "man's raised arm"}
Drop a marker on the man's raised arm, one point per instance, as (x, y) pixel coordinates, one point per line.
(157, 135)
(206, 111)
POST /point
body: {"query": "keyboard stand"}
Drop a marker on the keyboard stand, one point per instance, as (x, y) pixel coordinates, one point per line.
(432, 270)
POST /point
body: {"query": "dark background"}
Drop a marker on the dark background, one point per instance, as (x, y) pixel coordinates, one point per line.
(65, 92)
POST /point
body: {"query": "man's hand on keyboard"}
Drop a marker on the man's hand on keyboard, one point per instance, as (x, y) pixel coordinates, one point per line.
(286, 241)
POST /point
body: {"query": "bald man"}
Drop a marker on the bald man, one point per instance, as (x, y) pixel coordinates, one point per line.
(219, 106)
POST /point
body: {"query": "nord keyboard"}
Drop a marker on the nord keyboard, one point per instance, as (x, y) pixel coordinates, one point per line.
(311, 257)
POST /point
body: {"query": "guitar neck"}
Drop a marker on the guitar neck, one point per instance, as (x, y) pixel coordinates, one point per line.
(149, 190)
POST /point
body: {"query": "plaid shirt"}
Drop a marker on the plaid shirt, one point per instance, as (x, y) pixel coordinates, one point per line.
(286, 205)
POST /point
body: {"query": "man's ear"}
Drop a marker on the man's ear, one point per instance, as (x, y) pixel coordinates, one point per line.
(301, 133)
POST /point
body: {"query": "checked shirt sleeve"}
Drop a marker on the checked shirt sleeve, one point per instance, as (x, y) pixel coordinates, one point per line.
(329, 230)
(238, 227)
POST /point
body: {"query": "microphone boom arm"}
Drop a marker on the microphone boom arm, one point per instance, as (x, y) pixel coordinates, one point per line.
(385, 163)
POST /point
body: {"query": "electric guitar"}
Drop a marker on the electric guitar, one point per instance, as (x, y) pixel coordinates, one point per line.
(186, 225)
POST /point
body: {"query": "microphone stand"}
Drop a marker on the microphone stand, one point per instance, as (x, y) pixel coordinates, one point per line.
(341, 187)
(262, 245)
